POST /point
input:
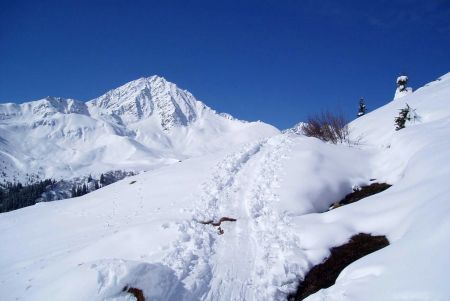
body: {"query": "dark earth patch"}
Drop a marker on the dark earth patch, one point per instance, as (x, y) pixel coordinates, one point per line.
(361, 193)
(325, 274)
(137, 293)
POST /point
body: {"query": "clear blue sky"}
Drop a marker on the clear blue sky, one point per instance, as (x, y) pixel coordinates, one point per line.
(276, 61)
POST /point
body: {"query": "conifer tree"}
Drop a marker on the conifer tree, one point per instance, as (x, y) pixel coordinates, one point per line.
(84, 189)
(402, 82)
(78, 191)
(403, 116)
(16, 195)
(102, 180)
(74, 191)
(362, 108)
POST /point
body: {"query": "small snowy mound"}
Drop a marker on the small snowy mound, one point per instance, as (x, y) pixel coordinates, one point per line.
(110, 279)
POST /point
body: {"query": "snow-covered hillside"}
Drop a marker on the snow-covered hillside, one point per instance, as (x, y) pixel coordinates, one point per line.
(145, 123)
(147, 232)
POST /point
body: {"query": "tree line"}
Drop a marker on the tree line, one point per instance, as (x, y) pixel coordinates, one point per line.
(16, 195)
(92, 184)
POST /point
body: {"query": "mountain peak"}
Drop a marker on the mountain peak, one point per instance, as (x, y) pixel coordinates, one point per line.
(150, 98)
(151, 78)
(143, 82)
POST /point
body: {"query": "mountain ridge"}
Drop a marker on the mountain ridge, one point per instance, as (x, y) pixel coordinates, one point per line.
(139, 125)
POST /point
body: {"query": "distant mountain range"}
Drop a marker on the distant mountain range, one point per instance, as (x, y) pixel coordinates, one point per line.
(143, 124)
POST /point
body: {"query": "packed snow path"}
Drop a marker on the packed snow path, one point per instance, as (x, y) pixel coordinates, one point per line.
(249, 255)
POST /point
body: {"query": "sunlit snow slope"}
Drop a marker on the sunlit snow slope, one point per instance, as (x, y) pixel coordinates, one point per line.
(145, 123)
(147, 234)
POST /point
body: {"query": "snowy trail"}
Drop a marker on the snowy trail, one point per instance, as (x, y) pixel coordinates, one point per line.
(235, 251)
(191, 254)
(241, 263)
(274, 275)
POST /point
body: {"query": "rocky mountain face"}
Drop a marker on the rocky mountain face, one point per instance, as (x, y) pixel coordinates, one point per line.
(152, 97)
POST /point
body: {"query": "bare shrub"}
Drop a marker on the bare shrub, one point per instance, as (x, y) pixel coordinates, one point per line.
(328, 127)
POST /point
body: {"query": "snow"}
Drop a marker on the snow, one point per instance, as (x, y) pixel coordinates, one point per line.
(402, 89)
(402, 79)
(278, 188)
(401, 92)
(142, 125)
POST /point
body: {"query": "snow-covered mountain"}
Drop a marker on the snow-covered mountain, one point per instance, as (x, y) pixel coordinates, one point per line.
(149, 98)
(145, 123)
(148, 231)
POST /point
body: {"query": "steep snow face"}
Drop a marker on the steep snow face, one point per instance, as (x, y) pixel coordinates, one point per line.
(151, 97)
(141, 125)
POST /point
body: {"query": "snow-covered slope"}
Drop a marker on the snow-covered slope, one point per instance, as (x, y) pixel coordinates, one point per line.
(414, 213)
(145, 123)
(147, 234)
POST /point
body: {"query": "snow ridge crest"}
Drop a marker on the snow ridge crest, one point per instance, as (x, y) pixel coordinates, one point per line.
(145, 98)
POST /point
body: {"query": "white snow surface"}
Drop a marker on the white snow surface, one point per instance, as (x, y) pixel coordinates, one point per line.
(141, 125)
(147, 234)
(402, 78)
(402, 90)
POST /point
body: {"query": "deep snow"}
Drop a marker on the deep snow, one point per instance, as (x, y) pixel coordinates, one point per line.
(147, 234)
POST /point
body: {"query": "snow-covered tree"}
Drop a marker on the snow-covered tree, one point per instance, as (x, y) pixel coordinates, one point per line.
(402, 82)
(362, 108)
(402, 87)
(406, 114)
